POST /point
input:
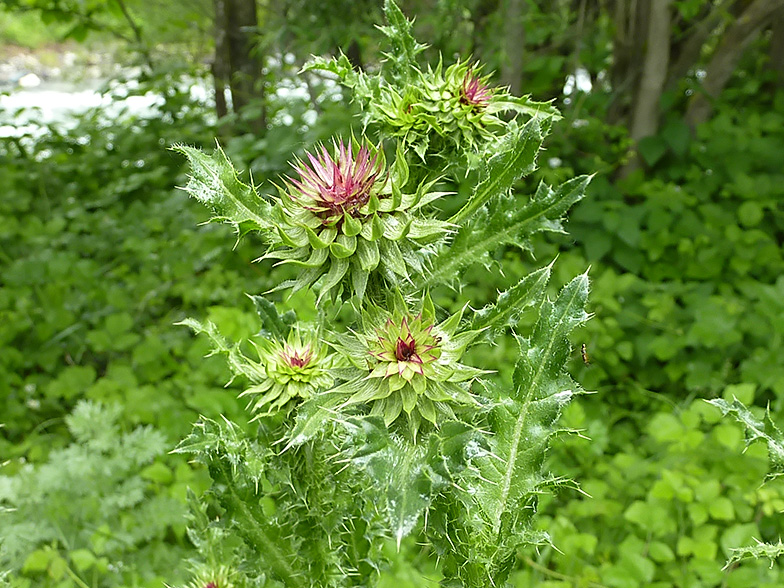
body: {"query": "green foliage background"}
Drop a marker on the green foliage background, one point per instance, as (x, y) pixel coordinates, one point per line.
(100, 255)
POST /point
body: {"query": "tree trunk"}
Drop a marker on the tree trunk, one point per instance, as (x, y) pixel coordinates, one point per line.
(236, 64)
(354, 54)
(630, 23)
(513, 46)
(722, 64)
(242, 26)
(221, 68)
(645, 114)
(776, 49)
(687, 52)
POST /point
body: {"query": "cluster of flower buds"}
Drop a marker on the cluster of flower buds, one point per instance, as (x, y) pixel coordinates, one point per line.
(213, 577)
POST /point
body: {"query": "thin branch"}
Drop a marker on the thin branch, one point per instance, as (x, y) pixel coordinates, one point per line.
(722, 64)
(137, 33)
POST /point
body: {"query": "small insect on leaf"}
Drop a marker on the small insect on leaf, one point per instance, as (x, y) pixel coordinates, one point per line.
(584, 353)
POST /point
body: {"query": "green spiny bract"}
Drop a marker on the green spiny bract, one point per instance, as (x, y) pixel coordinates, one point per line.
(287, 372)
(346, 218)
(443, 114)
(213, 577)
(405, 362)
(344, 221)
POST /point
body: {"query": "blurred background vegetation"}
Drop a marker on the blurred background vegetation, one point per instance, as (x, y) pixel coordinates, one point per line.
(677, 104)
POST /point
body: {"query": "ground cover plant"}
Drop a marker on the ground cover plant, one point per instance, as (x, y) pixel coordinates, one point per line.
(99, 259)
(99, 256)
(94, 382)
(371, 425)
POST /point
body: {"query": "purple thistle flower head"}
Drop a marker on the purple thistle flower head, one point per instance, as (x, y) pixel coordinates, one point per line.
(407, 350)
(296, 357)
(339, 184)
(473, 92)
(405, 346)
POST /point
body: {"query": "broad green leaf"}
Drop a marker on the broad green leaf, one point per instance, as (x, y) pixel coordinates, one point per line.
(214, 183)
(652, 149)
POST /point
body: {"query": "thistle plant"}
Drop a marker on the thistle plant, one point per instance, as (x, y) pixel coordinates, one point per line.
(369, 423)
(288, 370)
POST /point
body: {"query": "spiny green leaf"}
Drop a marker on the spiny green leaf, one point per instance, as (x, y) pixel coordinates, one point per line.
(238, 363)
(214, 183)
(523, 421)
(756, 430)
(494, 518)
(407, 475)
(404, 46)
(237, 468)
(508, 306)
(312, 417)
(771, 551)
(525, 105)
(512, 158)
(271, 322)
(398, 470)
(505, 223)
(340, 66)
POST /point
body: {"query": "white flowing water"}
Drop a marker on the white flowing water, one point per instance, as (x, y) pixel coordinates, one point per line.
(28, 111)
